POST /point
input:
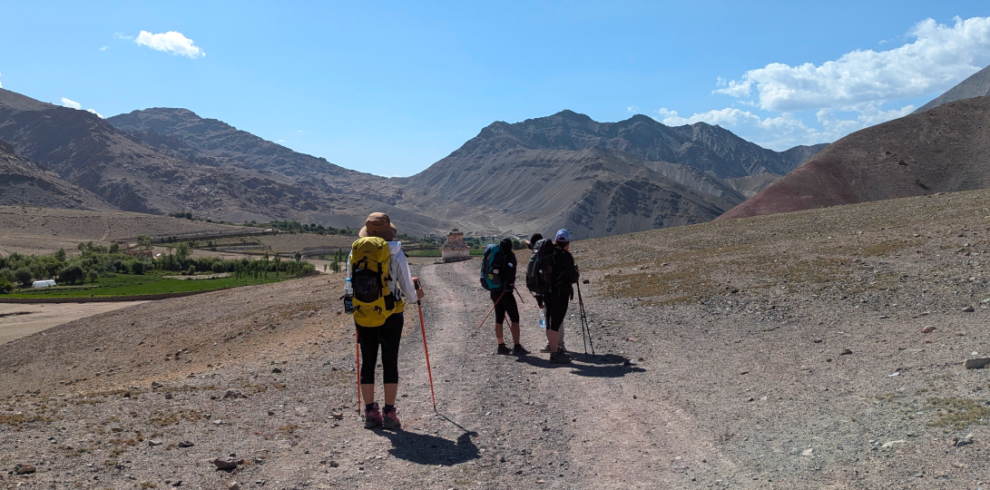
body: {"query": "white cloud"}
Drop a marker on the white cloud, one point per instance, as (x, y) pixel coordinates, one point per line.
(171, 42)
(940, 57)
(1, 85)
(104, 48)
(71, 104)
(121, 35)
(810, 103)
(786, 130)
(778, 133)
(280, 141)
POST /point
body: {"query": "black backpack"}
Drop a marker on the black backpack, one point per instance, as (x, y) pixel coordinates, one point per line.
(539, 270)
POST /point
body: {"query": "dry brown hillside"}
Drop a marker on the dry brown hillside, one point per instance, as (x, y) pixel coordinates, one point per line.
(23, 182)
(942, 150)
(808, 350)
(33, 230)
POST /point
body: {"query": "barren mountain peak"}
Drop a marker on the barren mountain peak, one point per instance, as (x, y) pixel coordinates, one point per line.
(976, 85)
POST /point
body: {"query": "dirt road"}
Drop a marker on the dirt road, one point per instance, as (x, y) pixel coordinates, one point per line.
(521, 422)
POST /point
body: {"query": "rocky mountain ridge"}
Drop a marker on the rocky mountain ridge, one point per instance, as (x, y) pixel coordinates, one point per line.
(23, 182)
(561, 170)
(118, 166)
(598, 179)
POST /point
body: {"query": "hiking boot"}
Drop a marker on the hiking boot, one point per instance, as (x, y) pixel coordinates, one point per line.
(519, 350)
(503, 349)
(391, 420)
(545, 349)
(560, 358)
(372, 418)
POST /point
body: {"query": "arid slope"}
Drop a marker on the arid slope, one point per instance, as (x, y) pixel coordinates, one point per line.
(941, 150)
(808, 350)
(25, 183)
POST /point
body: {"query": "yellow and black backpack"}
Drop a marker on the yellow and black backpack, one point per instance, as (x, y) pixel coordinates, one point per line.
(370, 261)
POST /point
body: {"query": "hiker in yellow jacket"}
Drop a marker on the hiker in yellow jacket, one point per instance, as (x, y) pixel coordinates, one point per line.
(381, 280)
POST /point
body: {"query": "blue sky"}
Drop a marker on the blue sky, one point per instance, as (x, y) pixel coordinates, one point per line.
(390, 88)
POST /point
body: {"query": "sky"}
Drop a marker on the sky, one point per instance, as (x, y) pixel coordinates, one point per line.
(391, 87)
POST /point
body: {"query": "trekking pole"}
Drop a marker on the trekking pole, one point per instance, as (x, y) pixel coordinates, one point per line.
(422, 327)
(584, 323)
(357, 360)
(489, 312)
(521, 300)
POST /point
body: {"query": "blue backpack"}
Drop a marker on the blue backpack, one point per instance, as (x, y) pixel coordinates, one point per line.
(491, 261)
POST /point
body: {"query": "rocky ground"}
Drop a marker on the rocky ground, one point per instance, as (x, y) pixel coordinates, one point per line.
(821, 349)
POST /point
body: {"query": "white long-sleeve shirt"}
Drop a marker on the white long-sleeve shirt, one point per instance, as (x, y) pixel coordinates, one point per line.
(399, 272)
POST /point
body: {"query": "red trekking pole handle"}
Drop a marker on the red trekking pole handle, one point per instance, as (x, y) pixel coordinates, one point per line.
(426, 349)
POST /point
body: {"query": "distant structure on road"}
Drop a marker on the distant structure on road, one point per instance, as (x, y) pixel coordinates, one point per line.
(454, 249)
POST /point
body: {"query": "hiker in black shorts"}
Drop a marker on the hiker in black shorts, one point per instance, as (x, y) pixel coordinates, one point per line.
(387, 336)
(565, 273)
(505, 302)
(539, 298)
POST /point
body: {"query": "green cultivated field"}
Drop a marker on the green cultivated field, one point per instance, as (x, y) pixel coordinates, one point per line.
(138, 285)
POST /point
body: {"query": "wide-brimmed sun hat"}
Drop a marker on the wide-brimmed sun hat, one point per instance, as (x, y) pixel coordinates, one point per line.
(379, 225)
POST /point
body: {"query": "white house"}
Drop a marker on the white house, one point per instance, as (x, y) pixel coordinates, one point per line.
(43, 284)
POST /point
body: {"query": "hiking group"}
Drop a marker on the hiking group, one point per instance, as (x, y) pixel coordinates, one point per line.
(378, 282)
(550, 274)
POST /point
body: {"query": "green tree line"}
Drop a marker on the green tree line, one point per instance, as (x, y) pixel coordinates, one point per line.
(97, 261)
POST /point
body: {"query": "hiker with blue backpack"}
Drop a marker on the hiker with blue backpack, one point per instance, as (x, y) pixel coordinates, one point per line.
(378, 281)
(498, 276)
(550, 273)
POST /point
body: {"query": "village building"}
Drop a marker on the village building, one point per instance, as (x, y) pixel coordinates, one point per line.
(454, 249)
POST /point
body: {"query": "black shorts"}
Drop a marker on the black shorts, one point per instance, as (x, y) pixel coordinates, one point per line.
(556, 311)
(387, 336)
(506, 305)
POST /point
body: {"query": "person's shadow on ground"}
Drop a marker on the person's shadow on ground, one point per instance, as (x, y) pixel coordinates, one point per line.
(432, 450)
(594, 366)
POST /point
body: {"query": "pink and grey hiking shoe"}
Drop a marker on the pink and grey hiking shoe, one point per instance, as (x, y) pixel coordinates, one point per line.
(391, 420)
(373, 417)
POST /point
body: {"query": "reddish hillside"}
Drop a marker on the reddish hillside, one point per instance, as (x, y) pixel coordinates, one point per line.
(945, 149)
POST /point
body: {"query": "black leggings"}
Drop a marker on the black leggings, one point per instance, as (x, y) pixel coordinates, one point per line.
(388, 336)
(506, 305)
(556, 310)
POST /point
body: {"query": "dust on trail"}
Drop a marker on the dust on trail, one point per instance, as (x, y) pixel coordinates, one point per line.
(522, 422)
